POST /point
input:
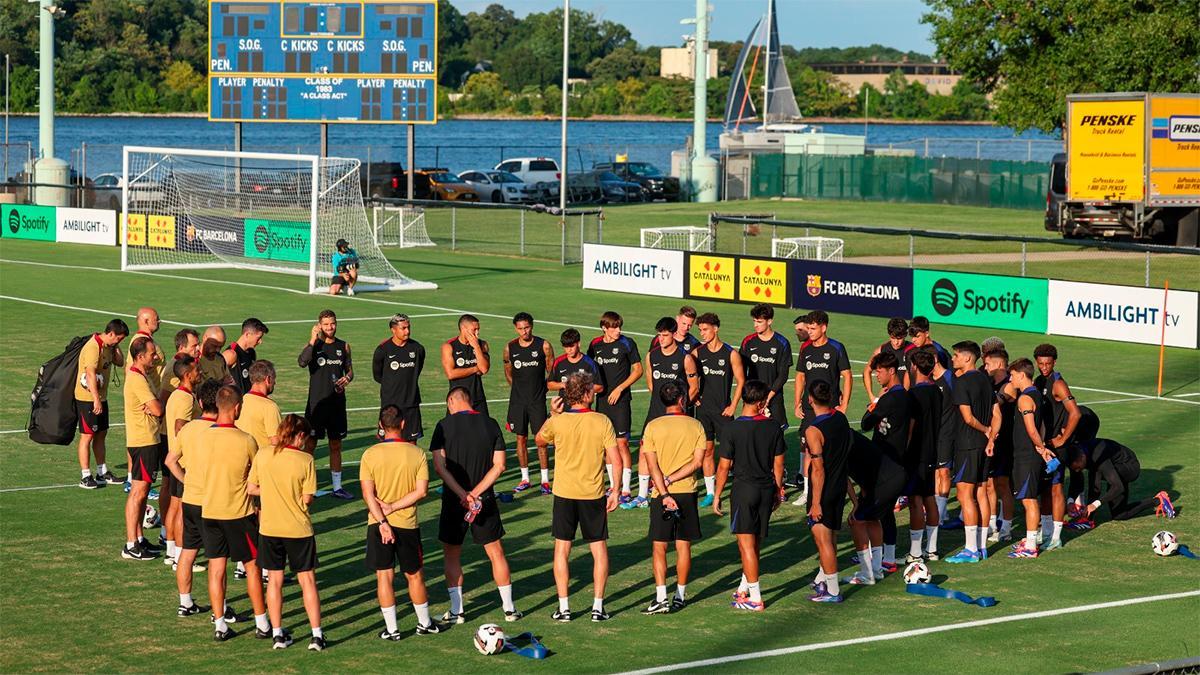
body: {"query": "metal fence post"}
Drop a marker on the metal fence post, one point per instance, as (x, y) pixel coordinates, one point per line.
(1147, 269)
(911, 244)
(582, 226)
(1022, 258)
(453, 229)
(522, 231)
(600, 227)
(562, 228)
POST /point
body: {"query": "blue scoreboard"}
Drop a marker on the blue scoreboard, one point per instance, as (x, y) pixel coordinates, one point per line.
(372, 61)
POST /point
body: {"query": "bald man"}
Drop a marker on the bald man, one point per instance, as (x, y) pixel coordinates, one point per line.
(212, 362)
(147, 326)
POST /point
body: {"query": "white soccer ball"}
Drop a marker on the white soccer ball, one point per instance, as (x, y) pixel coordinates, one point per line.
(83, 380)
(917, 573)
(489, 639)
(150, 518)
(1164, 543)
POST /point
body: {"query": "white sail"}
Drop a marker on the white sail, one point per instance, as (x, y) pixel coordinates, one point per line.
(781, 106)
(739, 106)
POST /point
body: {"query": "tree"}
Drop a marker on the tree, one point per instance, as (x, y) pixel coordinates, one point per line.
(23, 93)
(85, 96)
(1030, 55)
(179, 81)
(619, 64)
(485, 93)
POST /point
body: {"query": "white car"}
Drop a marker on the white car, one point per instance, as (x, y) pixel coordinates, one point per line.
(106, 189)
(540, 172)
(500, 187)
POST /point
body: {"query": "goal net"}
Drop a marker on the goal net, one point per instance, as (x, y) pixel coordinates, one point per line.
(828, 249)
(679, 238)
(265, 211)
(402, 226)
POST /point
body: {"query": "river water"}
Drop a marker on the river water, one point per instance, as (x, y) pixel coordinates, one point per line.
(95, 142)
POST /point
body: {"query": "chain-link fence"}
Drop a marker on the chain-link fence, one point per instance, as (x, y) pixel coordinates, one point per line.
(938, 180)
(507, 229)
(1068, 259)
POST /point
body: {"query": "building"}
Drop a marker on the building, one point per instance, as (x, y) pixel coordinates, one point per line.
(938, 78)
(681, 62)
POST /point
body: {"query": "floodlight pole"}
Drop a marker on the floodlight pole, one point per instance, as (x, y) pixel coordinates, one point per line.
(562, 166)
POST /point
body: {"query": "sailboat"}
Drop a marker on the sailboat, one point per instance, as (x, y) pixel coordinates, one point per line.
(782, 128)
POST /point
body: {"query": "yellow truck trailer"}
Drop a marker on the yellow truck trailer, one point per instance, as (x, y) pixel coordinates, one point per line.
(1133, 167)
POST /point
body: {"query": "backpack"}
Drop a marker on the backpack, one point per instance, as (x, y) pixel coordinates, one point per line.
(53, 417)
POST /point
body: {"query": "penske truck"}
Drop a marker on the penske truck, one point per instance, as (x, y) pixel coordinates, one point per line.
(1132, 168)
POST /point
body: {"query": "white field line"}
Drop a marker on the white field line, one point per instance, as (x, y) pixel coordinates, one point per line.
(1183, 395)
(899, 635)
(85, 309)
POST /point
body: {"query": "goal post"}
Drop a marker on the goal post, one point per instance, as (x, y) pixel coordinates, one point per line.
(186, 208)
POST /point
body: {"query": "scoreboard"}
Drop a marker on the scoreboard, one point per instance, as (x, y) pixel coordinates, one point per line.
(338, 61)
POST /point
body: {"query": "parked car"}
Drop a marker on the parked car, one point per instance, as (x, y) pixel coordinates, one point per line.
(500, 187)
(1056, 193)
(105, 192)
(655, 183)
(540, 172)
(448, 187)
(605, 186)
(389, 180)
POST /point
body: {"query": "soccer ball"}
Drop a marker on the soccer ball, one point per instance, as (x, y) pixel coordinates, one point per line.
(1164, 543)
(150, 518)
(83, 381)
(489, 639)
(917, 573)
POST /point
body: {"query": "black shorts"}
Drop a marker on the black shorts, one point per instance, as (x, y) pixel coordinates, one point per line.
(750, 508)
(1001, 463)
(712, 421)
(619, 414)
(328, 418)
(193, 526)
(405, 551)
(969, 466)
(945, 452)
(486, 528)
(338, 280)
(89, 422)
(1028, 477)
(412, 423)
(481, 407)
(686, 528)
(234, 539)
(920, 482)
(776, 411)
(833, 503)
(882, 497)
(526, 419)
(589, 516)
(176, 485)
(144, 461)
(300, 553)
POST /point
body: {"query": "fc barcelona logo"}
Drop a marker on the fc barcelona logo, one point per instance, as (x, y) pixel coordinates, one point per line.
(814, 285)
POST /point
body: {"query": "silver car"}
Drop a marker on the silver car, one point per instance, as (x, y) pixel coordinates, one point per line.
(500, 187)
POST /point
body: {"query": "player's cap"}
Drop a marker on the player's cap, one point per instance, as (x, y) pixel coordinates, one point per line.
(397, 318)
(342, 243)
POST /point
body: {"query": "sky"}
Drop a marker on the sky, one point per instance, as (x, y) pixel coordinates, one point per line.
(802, 23)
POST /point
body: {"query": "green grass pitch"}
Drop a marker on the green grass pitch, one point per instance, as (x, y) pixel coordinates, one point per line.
(68, 602)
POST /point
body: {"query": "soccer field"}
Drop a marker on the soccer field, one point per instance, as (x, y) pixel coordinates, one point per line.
(68, 601)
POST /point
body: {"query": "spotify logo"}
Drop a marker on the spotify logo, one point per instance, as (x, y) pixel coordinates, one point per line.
(944, 297)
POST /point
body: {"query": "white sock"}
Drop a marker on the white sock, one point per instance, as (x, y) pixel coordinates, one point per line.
(832, 585)
(743, 584)
(564, 604)
(171, 550)
(455, 599)
(681, 591)
(1057, 531)
(185, 600)
(102, 468)
(865, 564)
(525, 474)
(389, 618)
(261, 622)
(318, 633)
(337, 482)
(545, 475)
(626, 478)
(129, 544)
(992, 523)
(422, 611)
(220, 626)
(941, 507)
(643, 485)
(931, 539)
(755, 592)
(877, 560)
(710, 484)
(163, 529)
(983, 535)
(660, 593)
(506, 600)
(241, 567)
(277, 632)
(611, 481)
(84, 473)
(1005, 527)
(598, 604)
(972, 532)
(1031, 539)
(889, 553)
(914, 542)
(1047, 525)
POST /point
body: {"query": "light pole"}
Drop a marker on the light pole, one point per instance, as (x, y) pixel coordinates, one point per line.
(50, 170)
(562, 165)
(704, 168)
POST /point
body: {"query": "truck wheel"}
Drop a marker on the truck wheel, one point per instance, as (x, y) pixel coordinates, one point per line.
(1187, 229)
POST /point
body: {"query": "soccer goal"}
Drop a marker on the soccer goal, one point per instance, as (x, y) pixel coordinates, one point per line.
(828, 249)
(249, 210)
(402, 226)
(678, 238)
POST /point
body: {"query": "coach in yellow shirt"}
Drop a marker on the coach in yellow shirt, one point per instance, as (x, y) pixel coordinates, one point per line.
(182, 407)
(284, 479)
(260, 415)
(143, 424)
(230, 528)
(188, 464)
(96, 359)
(584, 441)
(395, 476)
(673, 446)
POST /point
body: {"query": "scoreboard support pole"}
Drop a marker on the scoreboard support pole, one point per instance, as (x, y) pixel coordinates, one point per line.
(410, 158)
(324, 139)
(237, 161)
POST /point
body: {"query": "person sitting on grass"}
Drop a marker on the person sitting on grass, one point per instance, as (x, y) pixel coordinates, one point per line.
(345, 268)
(1108, 461)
